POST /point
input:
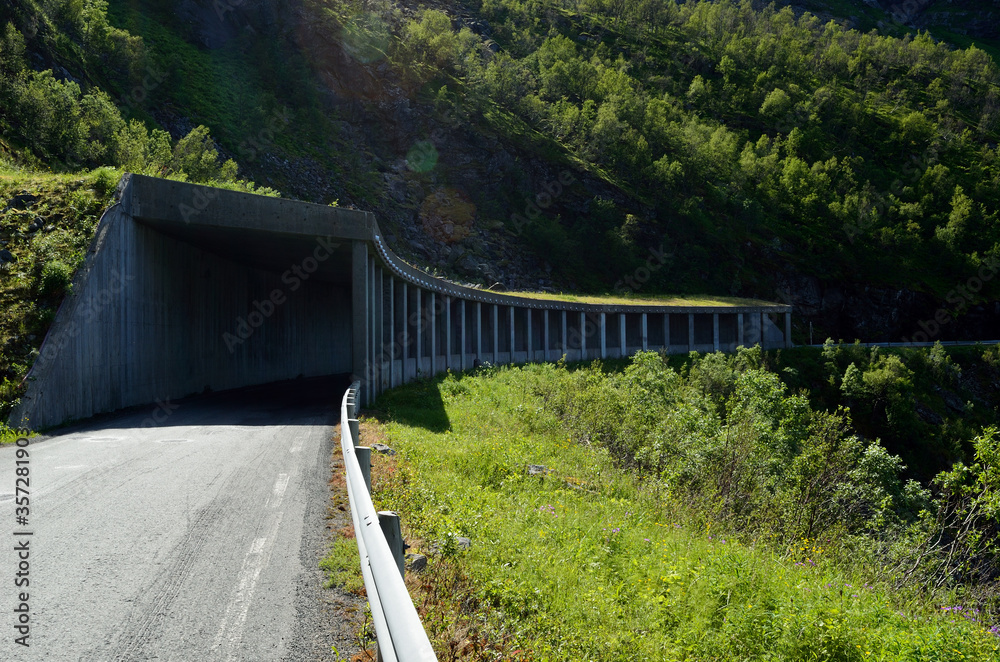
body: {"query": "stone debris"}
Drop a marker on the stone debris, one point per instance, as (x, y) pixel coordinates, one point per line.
(415, 562)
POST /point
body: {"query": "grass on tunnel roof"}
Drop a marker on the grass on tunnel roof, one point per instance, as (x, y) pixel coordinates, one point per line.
(646, 299)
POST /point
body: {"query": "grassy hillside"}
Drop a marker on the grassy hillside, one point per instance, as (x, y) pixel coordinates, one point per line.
(46, 224)
(705, 513)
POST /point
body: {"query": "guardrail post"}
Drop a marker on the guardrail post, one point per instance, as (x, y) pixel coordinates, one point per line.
(389, 523)
(352, 424)
(364, 455)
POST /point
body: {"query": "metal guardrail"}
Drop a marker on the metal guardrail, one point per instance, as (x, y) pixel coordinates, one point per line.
(401, 635)
(931, 343)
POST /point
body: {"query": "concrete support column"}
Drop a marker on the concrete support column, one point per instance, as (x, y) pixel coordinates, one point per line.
(621, 332)
(604, 336)
(545, 335)
(529, 340)
(372, 368)
(380, 328)
(644, 330)
(392, 332)
(479, 331)
(510, 314)
(690, 332)
(434, 335)
(421, 320)
(359, 306)
(583, 336)
(496, 334)
(715, 331)
(788, 329)
(404, 336)
(565, 345)
(740, 334)
(447, 332)
(461, 335)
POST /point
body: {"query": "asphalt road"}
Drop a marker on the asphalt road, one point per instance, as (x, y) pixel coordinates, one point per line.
(185, 531)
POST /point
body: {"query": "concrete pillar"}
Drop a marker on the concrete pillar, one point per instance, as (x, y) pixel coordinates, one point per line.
(373, 371)
(421, 314)
(510, 315)
(479, 330)
(529, 339)
(715, 331)
(434, 335)
(496, 334)
(461, 335)
(565, 345)
(788, 329)
(404, 336)
(447, 332)
(690, 332)
(604, 336)
(645, 336)
(583, 336)
(392, 332)
(621, 332)
(359, 308)
(380, 327)
(545, 335)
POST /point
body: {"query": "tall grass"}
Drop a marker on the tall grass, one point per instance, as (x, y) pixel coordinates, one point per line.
(586, 562)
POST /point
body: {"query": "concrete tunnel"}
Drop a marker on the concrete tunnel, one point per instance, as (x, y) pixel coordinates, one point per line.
(187, 289)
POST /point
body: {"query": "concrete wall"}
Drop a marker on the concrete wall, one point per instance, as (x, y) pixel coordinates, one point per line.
(152, 318)
(187, 288)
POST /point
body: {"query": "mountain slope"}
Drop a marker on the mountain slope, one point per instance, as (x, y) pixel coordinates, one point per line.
(764, 152)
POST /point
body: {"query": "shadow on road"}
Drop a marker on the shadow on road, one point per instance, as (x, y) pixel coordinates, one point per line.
(292, 402)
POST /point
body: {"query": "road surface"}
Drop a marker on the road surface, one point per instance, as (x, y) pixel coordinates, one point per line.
(187, 531)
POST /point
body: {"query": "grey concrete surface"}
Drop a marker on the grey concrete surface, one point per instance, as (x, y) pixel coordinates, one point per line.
(187, 287)
(153, 317)
(196, 538)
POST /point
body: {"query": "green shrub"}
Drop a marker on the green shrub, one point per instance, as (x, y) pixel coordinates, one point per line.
(55, 279)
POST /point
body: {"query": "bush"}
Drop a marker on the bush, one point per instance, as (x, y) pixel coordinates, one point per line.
(55, 279)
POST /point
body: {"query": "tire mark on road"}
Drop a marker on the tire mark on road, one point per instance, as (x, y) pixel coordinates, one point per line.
(142, 624)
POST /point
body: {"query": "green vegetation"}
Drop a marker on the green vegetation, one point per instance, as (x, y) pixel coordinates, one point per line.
(746, 139)
(696, 510)
(46, 224)
(643, 300)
